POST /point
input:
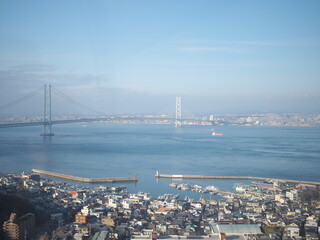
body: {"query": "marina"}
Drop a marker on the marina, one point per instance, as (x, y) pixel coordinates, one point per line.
(199, 189)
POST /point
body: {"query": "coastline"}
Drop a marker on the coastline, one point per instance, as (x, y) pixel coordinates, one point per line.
(234, 177)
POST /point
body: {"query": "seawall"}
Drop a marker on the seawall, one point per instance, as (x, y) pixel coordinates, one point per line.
(84, 180)
(235, 177)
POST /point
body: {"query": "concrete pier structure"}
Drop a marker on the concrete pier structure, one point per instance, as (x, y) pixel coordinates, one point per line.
(234, 177)
(84, 180)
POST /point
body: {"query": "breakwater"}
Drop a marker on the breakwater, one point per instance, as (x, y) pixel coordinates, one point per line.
(84, 180)
(234, 177)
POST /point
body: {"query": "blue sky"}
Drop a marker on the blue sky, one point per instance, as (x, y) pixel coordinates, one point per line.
(136, 56)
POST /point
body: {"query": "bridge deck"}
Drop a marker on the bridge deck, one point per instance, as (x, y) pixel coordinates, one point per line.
(84, 180)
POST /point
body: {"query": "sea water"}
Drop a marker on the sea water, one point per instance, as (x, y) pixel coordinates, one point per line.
(100, 150)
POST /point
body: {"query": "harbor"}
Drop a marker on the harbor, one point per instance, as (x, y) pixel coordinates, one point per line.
(209, 189)
(234, 177)
(84, 180)
(82, 212)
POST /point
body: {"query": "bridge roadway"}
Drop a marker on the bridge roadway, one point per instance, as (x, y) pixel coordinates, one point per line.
(84, 180)
(234, 177)
(26, 124)
(40, 123)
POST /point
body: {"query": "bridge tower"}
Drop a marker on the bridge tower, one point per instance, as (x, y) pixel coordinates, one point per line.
(47, 112)
(178, 112)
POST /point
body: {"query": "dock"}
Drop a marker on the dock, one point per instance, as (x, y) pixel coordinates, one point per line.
(84, 180)
(234, 177)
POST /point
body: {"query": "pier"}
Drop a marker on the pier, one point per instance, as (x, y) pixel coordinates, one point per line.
(84, 180)
(234, 177)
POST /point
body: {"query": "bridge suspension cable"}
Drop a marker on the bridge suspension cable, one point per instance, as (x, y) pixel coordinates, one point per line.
(21, 99)
(69, 99)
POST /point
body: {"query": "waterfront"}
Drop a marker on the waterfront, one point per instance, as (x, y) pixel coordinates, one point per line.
(100, 150)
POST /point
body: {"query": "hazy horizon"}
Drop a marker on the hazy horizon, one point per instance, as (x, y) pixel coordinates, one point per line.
(136, 56)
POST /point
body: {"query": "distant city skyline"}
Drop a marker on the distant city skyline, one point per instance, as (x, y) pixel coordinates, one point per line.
(137, 56)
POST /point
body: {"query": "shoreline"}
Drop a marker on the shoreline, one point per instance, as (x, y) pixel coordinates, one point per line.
(172, 176)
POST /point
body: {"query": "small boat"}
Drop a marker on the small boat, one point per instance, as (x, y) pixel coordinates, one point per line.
(214, 133)
(173, 185)
(212, 188)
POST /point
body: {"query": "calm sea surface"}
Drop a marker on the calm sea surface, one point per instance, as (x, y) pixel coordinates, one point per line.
(123, 150)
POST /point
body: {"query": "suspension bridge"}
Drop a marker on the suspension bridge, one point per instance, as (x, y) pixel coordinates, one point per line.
(47, 121)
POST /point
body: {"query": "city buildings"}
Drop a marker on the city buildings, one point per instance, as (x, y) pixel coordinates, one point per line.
(273, 210)
(19, 228)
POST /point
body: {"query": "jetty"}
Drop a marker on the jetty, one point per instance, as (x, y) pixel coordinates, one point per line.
(84, 180)
(234, 177)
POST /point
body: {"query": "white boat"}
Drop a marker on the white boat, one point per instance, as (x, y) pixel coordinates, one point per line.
(239, 187)
(173, 185)
(228, 196)
(212, 188)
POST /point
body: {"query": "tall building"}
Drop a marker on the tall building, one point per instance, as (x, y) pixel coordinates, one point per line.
(79, 218)
(19, 228)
